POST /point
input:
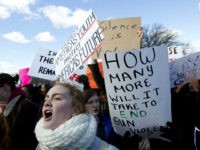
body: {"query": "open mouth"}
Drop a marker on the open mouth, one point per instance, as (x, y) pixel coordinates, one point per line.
(96, 110)
(47, 115)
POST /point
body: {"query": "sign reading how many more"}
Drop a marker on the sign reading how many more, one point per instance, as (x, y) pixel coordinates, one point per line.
(43, 65)
(184, 69)
(82, 44)
(138, 90)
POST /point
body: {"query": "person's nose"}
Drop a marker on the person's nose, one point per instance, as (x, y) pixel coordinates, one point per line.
(95, 103)
(47, 102)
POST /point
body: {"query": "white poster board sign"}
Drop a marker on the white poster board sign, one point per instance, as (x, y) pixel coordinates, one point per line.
(43, 64)
(138, 90)
(85, 40)
(175, 52)
(184, 69)
(80, 71)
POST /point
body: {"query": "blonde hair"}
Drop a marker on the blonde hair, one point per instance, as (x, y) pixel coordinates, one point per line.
(76, 95)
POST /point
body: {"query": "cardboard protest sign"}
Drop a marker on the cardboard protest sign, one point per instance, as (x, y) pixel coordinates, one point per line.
(24, 77)
(175, 52)
(43, 65)
(120, 34)
(138, 90)
(184, 69)
(84, 41)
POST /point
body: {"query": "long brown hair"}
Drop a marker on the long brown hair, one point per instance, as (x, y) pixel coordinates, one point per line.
(87, 94)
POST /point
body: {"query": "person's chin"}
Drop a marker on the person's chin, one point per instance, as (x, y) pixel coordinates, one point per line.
(48, 124)
(95, 113)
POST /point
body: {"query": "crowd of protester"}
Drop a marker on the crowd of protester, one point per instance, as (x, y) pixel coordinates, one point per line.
(58, 116)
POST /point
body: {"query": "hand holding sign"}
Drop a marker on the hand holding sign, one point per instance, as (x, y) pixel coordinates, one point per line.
(194, 85)
(127, 141)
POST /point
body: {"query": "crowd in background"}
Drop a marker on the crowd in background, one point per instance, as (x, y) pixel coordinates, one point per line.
(56, 116)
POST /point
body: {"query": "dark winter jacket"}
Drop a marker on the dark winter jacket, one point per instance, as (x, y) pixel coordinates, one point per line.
(22, 117)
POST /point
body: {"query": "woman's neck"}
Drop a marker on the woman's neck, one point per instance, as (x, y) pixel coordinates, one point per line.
(97, 118)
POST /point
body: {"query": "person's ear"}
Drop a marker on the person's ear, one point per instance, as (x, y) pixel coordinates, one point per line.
(76, 111)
